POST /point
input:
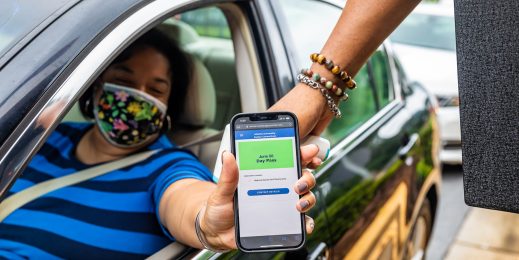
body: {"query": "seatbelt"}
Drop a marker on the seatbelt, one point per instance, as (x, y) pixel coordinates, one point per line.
(23, 197)
(212, 138)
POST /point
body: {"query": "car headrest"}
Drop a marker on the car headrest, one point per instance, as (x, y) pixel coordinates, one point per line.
(179, 31)
(200, 105)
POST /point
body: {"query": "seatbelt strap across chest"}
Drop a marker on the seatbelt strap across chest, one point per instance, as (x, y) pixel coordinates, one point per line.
(23, 197)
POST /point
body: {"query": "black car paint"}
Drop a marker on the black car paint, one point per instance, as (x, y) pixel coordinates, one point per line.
(71, 36)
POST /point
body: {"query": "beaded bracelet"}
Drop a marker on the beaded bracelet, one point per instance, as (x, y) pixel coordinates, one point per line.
(315, 85)
(328, 84)
(335, 69)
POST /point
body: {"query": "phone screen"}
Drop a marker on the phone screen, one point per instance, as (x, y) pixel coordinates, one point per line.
(268, 165)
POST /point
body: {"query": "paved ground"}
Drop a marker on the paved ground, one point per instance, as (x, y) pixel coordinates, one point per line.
(463, 232)
(487, 234)
(450, 215)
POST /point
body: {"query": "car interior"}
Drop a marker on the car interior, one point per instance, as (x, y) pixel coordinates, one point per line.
(213, 94)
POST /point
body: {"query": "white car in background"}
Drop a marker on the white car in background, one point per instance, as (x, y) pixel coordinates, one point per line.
(426, 46)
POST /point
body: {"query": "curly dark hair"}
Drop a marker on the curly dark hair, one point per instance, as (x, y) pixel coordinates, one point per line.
(180, 66)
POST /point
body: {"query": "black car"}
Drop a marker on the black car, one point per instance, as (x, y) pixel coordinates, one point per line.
(378, 191)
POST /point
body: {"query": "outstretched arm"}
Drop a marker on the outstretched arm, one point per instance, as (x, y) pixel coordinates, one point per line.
(362, 27)
(182, 201)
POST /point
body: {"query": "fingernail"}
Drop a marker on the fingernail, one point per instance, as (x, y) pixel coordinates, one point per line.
(302, 186)
(312, 225)
(304, 204)
(319, 162)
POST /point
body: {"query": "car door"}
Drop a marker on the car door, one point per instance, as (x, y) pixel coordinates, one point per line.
(368, 182)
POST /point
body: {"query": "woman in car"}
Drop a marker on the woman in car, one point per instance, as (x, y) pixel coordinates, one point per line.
(134, 211)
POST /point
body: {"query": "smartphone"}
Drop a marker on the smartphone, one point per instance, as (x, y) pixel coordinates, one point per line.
(266, 147)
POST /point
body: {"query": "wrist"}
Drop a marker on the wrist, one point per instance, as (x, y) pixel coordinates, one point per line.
(209, 240)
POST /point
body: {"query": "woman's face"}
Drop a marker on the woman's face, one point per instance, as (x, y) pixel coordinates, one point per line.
(146, 70)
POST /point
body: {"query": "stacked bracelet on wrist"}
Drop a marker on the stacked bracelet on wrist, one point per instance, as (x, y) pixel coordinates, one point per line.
(325, 86)
(335, 69)
(316, 85)
(328, 84)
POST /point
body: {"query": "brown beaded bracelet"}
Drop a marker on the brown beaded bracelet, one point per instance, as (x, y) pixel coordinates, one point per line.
(328, 84)
(335, 69)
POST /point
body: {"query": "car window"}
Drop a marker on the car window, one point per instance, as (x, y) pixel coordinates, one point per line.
(209, 22)
(308, 30)
(355, 111)
(204, 34)
(214, 47)
(361, 104)
(380, 72)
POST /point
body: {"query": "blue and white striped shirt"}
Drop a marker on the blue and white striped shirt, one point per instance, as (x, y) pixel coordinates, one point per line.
(111, 216)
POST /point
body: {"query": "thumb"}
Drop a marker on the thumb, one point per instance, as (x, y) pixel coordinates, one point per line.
(228, 181)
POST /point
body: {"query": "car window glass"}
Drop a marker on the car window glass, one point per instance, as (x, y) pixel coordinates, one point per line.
(380, 72)
(204, 34)
(209, 22)
(307, 27)
(309, 35)
(213, 45)
(355, 111)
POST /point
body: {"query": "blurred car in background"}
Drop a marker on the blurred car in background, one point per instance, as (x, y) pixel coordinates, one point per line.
(426, 46)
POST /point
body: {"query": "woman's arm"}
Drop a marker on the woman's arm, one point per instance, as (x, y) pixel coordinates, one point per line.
(183, 199)
(362, 27)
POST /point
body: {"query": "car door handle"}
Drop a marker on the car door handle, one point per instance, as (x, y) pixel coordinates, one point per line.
(319, 252)
(413, 139)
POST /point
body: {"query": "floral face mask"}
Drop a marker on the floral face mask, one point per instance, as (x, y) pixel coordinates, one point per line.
(128, 117)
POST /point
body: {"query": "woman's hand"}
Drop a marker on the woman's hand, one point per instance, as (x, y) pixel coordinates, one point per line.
(217, 217)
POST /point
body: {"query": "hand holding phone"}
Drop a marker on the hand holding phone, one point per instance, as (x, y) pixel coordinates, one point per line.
(266, 146)
(217, 217)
